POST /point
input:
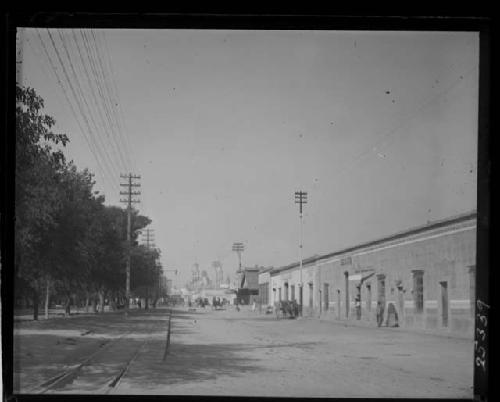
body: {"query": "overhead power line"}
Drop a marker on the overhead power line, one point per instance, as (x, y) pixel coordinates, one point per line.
(111, 101)
(105, 157)
(83, 70)
(118, 101)
(86, 134)
(111, 133)
(83, 97)
(385, 137)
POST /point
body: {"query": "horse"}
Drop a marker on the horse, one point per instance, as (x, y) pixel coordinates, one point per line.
(286, 309)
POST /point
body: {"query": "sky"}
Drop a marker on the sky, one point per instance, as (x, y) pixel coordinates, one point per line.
(379, 128)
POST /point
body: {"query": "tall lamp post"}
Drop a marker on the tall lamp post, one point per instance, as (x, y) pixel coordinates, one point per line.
(300, 198)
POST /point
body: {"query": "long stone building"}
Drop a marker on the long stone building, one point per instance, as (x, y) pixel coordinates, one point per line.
(426, 273)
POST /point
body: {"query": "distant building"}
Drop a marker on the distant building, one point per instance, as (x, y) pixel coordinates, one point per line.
(264, 278)
(248, 290)
(427, 274)
(222, 294)
(168, 286)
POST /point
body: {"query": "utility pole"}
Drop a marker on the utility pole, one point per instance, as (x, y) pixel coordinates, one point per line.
(129, 201)
(239, 248)
(159, 272)
(148, 237)
(300, 198)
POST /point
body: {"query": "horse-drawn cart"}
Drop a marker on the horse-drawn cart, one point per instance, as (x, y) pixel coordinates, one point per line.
(286, 309)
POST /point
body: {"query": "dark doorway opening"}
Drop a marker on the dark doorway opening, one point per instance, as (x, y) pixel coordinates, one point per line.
(325, 296)
(444, 303)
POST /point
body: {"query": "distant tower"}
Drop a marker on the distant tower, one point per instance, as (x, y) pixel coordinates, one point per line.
(217, 266)
(220, 276)
(197, 271)
(195, 274)
(205, 280)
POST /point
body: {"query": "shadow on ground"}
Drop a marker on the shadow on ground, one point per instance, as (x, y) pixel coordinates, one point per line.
(190, 363)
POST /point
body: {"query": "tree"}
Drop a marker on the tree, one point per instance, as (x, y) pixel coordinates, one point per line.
(144, 272)
(65, 256)
(66, 240)
(36, 198)
(105, 250)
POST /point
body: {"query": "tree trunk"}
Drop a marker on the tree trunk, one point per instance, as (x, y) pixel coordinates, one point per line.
(75, 301)
(93, 303)
(35, 305)
(47, 298)
(146, 303)
(101, 302)
(87, 303)
(67, 306)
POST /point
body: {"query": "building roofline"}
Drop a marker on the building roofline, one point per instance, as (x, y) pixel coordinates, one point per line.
(250, 269)
(263, 271)
(396, 236)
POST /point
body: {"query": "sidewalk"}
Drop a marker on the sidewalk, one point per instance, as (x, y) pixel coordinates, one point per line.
(27, 314)
(372, 324)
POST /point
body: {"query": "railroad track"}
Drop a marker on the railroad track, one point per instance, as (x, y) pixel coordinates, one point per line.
(103, 383)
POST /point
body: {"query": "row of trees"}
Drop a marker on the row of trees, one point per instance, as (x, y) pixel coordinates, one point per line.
(69, 245)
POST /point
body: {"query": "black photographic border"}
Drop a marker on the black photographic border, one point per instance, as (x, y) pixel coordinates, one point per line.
(254, 20)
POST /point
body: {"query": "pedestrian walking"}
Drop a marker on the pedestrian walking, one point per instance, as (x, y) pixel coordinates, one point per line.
(392, 316)
(357, 304)
(295, 308)
(380, 313)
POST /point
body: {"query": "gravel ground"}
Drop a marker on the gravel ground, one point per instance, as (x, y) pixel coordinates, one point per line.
(241, 353)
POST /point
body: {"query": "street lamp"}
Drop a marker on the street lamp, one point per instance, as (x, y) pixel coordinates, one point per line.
(300, 198)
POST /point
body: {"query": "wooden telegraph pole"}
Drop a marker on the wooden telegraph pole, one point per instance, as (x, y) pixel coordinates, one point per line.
(129, 201)
(239, 248)
(148, 237)
(300, 198)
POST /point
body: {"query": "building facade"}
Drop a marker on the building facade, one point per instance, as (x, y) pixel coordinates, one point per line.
(248, 291)
(264, 279)
(425, 276)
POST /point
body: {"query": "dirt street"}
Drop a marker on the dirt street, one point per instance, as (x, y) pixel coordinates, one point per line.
(236, 353)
